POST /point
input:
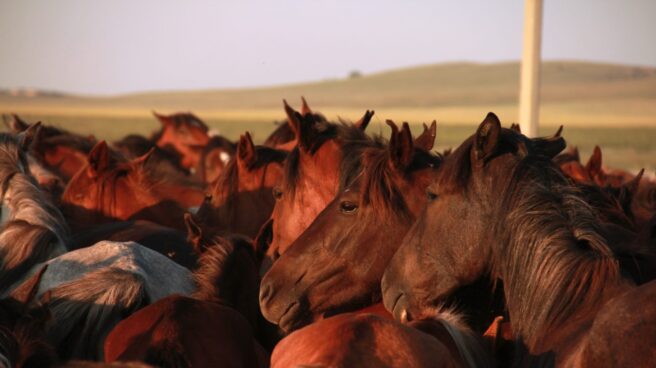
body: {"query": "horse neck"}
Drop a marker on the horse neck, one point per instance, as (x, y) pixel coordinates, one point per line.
(556, 267)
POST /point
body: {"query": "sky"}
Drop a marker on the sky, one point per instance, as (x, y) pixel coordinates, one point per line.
(123, 46)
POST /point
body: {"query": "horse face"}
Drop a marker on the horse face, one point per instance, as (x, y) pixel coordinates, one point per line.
(316, 184)
(186, 133)
(450, 244)
(317, 276)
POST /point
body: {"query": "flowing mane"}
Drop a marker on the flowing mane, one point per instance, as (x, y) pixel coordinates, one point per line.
(35, 230)
(551, 257)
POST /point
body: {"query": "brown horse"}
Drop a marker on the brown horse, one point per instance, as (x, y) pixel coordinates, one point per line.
(107, 189)
(214, 158)
(185, 133)
(319, 273)
(23, 342)
(241, 199)
(366, 340)
(500, 206)
(215, 328)
(33, 229)
(312, 175)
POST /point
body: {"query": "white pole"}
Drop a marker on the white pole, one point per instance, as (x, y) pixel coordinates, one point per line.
(529, 93)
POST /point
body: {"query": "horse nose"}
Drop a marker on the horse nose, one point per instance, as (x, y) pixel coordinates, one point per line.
(266, 292)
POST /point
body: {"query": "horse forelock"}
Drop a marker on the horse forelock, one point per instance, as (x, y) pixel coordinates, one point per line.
(381, 187)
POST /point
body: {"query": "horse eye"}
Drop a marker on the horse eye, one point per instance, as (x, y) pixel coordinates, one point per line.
(431, 196)
(277, 193)
(348, 207)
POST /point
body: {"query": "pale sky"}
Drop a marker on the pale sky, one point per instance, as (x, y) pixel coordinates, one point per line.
(118, 46)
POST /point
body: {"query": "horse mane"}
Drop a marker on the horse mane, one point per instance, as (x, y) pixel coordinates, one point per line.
(218, 274)
(36, 230)
(178, 119)
(380, 190)
(469, 344)
(551, 255)
(73, 141)
(86, 309)
(281, 135)
(353, 141)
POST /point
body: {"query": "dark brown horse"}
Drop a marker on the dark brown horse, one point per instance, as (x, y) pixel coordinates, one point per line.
(366, 340)
(312, 175)
(241, 199)
(215, 328)
(337, 262)
(185, 133)
(500, 206)
(23, 342)
(214, 158)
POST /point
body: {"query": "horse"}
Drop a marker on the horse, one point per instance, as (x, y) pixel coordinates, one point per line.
(214, 327)
(33, 229)
(311, 176)
(167, 161)
(215, 156)
(107, 189)
(22, 340)
(185, 133)
(241, 200)
(90, 290)
(499, 206)
(319, 274)
(363, 340)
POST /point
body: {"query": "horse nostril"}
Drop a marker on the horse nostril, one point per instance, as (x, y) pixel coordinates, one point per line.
(405, 316)
(266, 290)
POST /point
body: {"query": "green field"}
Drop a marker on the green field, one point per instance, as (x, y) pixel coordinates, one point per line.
(613, 106)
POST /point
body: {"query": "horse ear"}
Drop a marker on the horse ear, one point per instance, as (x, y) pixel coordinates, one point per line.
(303, 127)
(516, 127)
(593, 167)
(26, 137)
(575, 153)
(305, 109)
(194, 232)
(364, 120)
(551, 146)
(292, 118)
(27, 290)
(162, 118)
(141, 160)
(246, 152)
(487, 137)
(98, 158)
(15, 123)
(401, 146)
(426, 140)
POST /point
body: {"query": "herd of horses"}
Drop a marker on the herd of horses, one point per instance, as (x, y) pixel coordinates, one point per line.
(324, 247)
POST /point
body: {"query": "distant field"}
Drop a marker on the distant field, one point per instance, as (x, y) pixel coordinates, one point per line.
(613, 106)
(630, 148)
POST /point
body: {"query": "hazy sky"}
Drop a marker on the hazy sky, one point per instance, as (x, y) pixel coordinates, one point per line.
(94, 46)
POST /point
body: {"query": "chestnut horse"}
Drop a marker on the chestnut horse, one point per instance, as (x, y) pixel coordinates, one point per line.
(215, 328)
(214, 158)
(241, 199)
(500, 206)
(366, 340)
(311, 176)
(185, 133)
(108, 190)
(337, 262)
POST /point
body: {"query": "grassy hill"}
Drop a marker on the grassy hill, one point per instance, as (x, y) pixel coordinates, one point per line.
(610, 105)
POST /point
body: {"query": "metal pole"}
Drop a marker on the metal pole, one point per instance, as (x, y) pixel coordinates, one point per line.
(529, 93)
